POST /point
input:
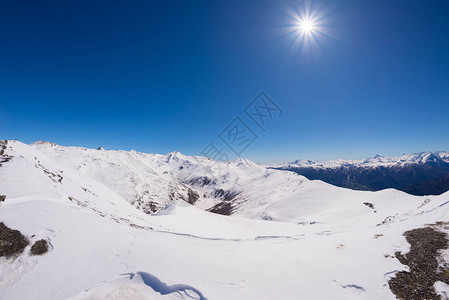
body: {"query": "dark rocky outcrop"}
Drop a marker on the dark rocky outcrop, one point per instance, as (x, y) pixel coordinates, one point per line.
(3, 156)
(11, 241)
(227, 205)
(370, 205)
(39, 247)
(192, 196)
(222, 208)
(150, 207)
(426, 244)
(200, 181)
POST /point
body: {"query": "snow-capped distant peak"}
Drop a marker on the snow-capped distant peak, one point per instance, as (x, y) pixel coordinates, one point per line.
(377, 160)
(444, 155)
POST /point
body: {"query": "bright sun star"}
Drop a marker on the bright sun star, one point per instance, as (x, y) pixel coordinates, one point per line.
(308, 23)
(306, 26)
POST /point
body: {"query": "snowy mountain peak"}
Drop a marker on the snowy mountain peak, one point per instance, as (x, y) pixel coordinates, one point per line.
(176, 156)
(376, 161)
(444, 155)
(41, 142)
(425, 157)
(243, 162)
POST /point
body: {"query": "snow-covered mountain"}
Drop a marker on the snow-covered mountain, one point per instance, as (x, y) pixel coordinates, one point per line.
(424, 173)
(130, 225)
(376, 161)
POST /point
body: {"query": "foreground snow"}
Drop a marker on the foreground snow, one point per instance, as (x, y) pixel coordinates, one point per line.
(330, 245)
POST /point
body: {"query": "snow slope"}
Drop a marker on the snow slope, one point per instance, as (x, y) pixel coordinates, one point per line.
(323, 242)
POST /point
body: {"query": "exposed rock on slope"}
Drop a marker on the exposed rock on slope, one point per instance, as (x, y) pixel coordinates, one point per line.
(11, 241)
(39, 247)
(423, 261)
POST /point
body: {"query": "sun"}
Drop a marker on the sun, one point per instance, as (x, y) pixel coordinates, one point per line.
(307, 23)
(306, 26)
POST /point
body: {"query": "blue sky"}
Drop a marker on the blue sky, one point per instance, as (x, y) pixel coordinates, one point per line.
(159, 76)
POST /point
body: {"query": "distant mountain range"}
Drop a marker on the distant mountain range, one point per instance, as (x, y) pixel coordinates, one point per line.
(424, 173)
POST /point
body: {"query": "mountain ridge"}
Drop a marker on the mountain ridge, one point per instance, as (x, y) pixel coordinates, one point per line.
(377, 160)
(423, 173)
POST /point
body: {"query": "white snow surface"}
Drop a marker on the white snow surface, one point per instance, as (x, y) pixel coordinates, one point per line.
(322, 242)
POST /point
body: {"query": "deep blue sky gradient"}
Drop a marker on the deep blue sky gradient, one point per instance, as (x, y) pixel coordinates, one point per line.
(158, 76)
